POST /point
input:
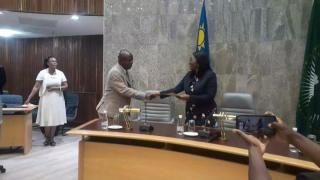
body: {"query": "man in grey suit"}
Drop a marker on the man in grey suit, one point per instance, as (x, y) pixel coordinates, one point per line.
(119, 86)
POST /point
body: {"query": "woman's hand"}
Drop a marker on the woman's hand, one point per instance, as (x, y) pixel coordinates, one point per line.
(152, 94)
(27, 102)
(184, 97)
(53, 88)
(155, 94)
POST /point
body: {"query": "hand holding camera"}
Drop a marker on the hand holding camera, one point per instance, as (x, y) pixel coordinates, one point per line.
(255, 129)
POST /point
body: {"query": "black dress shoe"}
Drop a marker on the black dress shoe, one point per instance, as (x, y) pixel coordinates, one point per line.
(2, 169)
(46, 142)
(52, 143)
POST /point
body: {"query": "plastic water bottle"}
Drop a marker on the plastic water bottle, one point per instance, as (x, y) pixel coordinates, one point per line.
(240, 125)
(292, 148)
(180, 125)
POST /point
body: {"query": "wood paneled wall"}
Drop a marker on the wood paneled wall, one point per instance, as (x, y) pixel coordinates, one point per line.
(79, 57)
(83, 7)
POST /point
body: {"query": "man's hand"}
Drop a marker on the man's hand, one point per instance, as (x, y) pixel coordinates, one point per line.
(152, 94)
(282, 131)
(252, 141)
(184, 97)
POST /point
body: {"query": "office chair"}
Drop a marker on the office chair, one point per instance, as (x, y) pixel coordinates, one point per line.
(236, 104)
(72, 104)
(157, 111)
(11, 101)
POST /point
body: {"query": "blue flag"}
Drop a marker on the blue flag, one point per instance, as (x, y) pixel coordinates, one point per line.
(203, 38)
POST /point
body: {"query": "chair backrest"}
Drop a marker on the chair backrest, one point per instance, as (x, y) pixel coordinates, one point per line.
(11, 100)
(237, 103)
(234, 103)
(72, 103)
(159, 111)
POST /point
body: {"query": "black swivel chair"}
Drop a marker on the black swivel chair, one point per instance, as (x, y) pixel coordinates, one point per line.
(2, 169)
(234, 103)
(72, 103)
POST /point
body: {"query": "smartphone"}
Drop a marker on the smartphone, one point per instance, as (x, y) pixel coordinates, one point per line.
(256, 124)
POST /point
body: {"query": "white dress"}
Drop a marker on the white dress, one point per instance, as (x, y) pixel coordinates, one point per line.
(51, 109)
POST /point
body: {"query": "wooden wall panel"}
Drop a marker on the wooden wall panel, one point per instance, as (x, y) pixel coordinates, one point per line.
(79, 57)
(84, 7)
(10, 5)
(96, 7)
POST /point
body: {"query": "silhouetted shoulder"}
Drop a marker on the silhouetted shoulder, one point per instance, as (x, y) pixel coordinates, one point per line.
(210, 74)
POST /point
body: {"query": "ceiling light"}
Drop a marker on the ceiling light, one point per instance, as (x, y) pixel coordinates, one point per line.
(74, 17)
(1, 12)
(8, 32)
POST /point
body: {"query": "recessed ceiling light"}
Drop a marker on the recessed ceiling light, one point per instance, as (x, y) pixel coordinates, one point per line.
(74, 17)
(8, 32)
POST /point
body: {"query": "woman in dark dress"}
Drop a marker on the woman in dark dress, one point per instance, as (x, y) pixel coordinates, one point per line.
(200, 87)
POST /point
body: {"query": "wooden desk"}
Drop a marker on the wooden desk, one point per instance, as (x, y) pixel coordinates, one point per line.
(16, 129)
(163, 154)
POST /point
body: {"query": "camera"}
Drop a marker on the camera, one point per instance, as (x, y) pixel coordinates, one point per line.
(256, 124)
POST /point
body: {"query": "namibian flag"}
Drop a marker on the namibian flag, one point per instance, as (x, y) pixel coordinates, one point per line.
(203, 39)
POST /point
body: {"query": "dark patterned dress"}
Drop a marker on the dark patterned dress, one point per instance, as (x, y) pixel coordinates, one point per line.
(202, 91)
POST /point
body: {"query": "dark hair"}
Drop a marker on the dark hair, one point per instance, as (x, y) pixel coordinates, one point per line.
(45, 61)
(204, 62)
(124, 53)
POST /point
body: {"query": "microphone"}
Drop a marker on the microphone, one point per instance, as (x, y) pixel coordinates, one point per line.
(126, 110)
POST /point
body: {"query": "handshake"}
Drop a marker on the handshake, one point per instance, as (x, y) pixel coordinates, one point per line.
(154, 94)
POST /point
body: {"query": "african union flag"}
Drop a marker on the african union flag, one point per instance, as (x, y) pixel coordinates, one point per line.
(203, 39)
(308, 111)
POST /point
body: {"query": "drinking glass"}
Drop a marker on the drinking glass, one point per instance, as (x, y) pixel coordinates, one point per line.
(103, 117)
(191, 125)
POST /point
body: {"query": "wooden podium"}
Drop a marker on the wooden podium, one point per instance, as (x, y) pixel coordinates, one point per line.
(16, 130)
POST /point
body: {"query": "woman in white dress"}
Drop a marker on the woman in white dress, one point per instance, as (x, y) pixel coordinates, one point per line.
(50, 83)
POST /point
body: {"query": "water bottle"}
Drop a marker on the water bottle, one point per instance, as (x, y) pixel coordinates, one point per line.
(241, 126)
(180, 125)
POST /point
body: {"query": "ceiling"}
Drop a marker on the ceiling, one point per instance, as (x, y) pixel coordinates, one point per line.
(34, 25)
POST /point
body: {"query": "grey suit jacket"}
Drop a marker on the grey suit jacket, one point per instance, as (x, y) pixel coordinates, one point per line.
(118, 91)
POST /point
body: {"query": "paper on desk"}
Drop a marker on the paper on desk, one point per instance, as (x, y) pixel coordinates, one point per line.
(28, 105)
